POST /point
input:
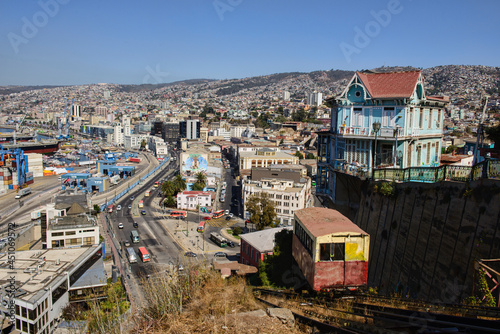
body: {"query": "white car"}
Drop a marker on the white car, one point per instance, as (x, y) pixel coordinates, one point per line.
(118, 208)
(120, 225)
(226, 212)
(231, 215)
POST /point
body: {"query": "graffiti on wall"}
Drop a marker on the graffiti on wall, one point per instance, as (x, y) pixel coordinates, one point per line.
(195, 163)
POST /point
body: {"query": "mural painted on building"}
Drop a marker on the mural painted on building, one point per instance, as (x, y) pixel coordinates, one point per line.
(195, 163)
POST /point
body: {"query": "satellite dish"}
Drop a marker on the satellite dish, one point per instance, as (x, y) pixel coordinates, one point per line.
(470, 153)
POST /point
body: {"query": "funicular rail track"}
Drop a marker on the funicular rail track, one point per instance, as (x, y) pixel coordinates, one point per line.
(359, 313)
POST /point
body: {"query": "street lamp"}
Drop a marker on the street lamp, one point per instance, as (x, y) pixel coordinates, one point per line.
(376, 129)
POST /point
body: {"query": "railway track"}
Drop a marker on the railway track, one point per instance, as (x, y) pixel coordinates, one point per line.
(364, 314)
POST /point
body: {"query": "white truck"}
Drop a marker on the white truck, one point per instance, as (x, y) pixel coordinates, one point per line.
(23, 192)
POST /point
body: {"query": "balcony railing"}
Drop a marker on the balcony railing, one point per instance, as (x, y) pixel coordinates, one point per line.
(485, 169)
(368, 131)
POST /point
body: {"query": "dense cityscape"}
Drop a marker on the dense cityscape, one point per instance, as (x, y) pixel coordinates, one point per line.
(232, 166)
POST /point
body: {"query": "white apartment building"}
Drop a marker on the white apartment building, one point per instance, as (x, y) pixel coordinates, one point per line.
(315, 99)
(158, 146)
(191, 200)
(118, 134)
(287, 195)
(134, 141)
(126, 125)
(286, 96)
(69, 231)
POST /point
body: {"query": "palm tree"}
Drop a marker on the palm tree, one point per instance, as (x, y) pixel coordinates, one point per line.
(168, 188)
(179, 183)
(201, 179)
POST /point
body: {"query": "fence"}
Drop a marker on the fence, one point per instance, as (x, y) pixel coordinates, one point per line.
(485, 169)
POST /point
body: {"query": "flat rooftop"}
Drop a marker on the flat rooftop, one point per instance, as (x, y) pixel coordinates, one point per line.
(32, 279)
(324, 221)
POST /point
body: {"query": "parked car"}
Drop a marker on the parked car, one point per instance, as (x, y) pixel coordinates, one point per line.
(135, 224)
(231, 215)
(168, 211)
(190, 254)
(120, 225)
(226, 212)
(143, 212)
(228, 218)
(207, 218)
(220, 254)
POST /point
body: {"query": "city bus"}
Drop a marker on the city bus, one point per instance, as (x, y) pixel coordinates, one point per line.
(177, 214)
(141, 203)
(201, 227)
(134, 235)
(146, 194)
(131, 255)
(218, 240)
(218, 214)
(144, 254)
(157, 184)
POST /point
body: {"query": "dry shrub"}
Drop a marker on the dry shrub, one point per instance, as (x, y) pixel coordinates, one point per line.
(200, 301)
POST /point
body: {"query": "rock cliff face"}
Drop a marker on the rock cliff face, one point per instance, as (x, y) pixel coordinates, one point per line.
(426, 237)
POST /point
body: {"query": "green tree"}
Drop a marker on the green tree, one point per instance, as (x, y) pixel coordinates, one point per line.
(197, 186)
(450, 149)
(97, 208)
(261, 209)
(169, 201)
(179, 183)
(299, 155)
(168, 188)
(143, 143)
(310, 156)
(201, 181)
(263, 280)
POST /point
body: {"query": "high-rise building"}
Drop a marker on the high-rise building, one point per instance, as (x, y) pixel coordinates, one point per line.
(170, 132)
(190, 129)
(315, 99)
(76, 111)
(286, 96)
(126, 125)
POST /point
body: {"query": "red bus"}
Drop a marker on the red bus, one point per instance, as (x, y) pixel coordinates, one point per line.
(144, 254)
(218, 214)
(201, 227)
(176, 214)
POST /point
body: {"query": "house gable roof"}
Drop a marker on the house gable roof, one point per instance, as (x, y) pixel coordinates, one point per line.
(391, 84)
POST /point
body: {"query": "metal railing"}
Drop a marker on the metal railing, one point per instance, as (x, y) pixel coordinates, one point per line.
(485, 169)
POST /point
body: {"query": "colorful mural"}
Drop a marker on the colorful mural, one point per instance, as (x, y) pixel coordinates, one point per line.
(195, 163)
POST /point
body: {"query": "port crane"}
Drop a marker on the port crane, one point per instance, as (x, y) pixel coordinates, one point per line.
(18, 125)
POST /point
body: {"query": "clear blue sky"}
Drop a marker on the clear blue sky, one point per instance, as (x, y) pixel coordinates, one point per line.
(167, 40)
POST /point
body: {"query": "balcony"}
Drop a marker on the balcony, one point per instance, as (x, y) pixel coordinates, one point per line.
(368, 131)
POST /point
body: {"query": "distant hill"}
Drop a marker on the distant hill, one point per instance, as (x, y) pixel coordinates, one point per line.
(5, 90)
(147, 87)
(460, 81)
